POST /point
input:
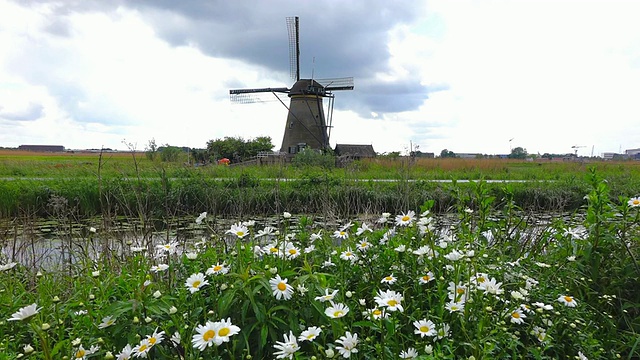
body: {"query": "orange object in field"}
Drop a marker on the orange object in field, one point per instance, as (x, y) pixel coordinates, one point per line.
(224, 161)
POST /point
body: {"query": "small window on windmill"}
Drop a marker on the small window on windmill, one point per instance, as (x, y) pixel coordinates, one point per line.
(291, 125)
(292, 149)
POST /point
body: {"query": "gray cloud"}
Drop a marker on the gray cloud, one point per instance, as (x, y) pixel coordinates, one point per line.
(30, 112)
(337, 39)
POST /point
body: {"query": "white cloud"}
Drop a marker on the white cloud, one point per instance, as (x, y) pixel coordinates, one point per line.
(550, 74)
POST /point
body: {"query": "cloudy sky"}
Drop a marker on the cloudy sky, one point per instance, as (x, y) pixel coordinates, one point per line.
(468, 76)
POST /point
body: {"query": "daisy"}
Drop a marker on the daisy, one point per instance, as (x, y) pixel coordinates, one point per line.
(453, 306)
(126, 353)
(363, 245)
(362, 228)
(81, 353)
(337, 310)
(390, 299)
(428, 277)
(454, 255)
(218, 269)
(424, 328)
(425, 250)
(411, 353)
(156, 337)
(291, 252)
(390, 279)
(568, 300)
(272, 249)
(491, 286)
(457, 292)
(204, 335)
(310, 334)
(25, 313)
(328, 263)
(267, 231)
(224, 329)
(377, 313)
(384, 218)
(238, 230)
(106, 322)
(286, 348)
(327, 296)
(405, 219)
(7, 266)
(309, 249)
(170, 248)
(634, 202)
(195, 282)
(444, 330)
(539, 333)
(543, 306)
(315, 236)
(517, 316)
(348, 344)
(280, 288)
(348, 255)
(142, 349)
(340, 234)
(159, 267)
(201, 217)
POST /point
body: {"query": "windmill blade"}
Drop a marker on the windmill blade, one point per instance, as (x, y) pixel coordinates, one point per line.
(250, 96)
(293, 26)
(344, 83)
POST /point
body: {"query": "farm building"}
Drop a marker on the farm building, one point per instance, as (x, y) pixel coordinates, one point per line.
(42, 148)
(355, 151)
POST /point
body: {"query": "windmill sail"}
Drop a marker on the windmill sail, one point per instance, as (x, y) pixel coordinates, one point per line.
(306, 124)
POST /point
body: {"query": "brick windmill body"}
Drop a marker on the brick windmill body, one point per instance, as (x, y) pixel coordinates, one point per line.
(307, 125)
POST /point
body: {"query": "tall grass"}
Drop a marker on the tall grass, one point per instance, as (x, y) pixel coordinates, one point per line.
(484, 281)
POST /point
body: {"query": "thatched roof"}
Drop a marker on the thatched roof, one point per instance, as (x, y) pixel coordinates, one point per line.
(355, 151)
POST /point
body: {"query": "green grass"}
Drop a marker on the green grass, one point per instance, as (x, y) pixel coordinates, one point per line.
(515, 273)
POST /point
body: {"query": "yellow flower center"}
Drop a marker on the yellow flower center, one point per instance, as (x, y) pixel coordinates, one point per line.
(152, 340)
(347, 254)
(426, 278)
(196, 284)
(208, 335)
(273, 250)
(481, 279)
(80, 354)
(338, 313)
(240, 233)
(311, 336)
(424, 329)
(142, 348)
(388, 278)
(406, 218)
(293, 251)
(224, 331)
(377, 312)
(392, 302)
(636, 202)
(342, 233)
(460, 291)
(516, 315)
(282, 286)
(217, 268)
(568, 299)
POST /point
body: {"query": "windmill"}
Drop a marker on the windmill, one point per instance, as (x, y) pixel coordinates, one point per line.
(307, 125)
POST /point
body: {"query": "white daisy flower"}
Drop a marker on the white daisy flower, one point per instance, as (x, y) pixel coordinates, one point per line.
(195, 282)
(280, 288)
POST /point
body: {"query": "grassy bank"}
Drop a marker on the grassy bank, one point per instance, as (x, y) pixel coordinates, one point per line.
(405, 285)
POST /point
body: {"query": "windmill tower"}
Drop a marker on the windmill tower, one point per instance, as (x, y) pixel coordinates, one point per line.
(308, 125)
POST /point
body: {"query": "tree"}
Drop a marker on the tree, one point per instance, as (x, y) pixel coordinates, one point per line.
(238, 149)
(151, 150)
(169, 153)
(518, 153)
(447, 154)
